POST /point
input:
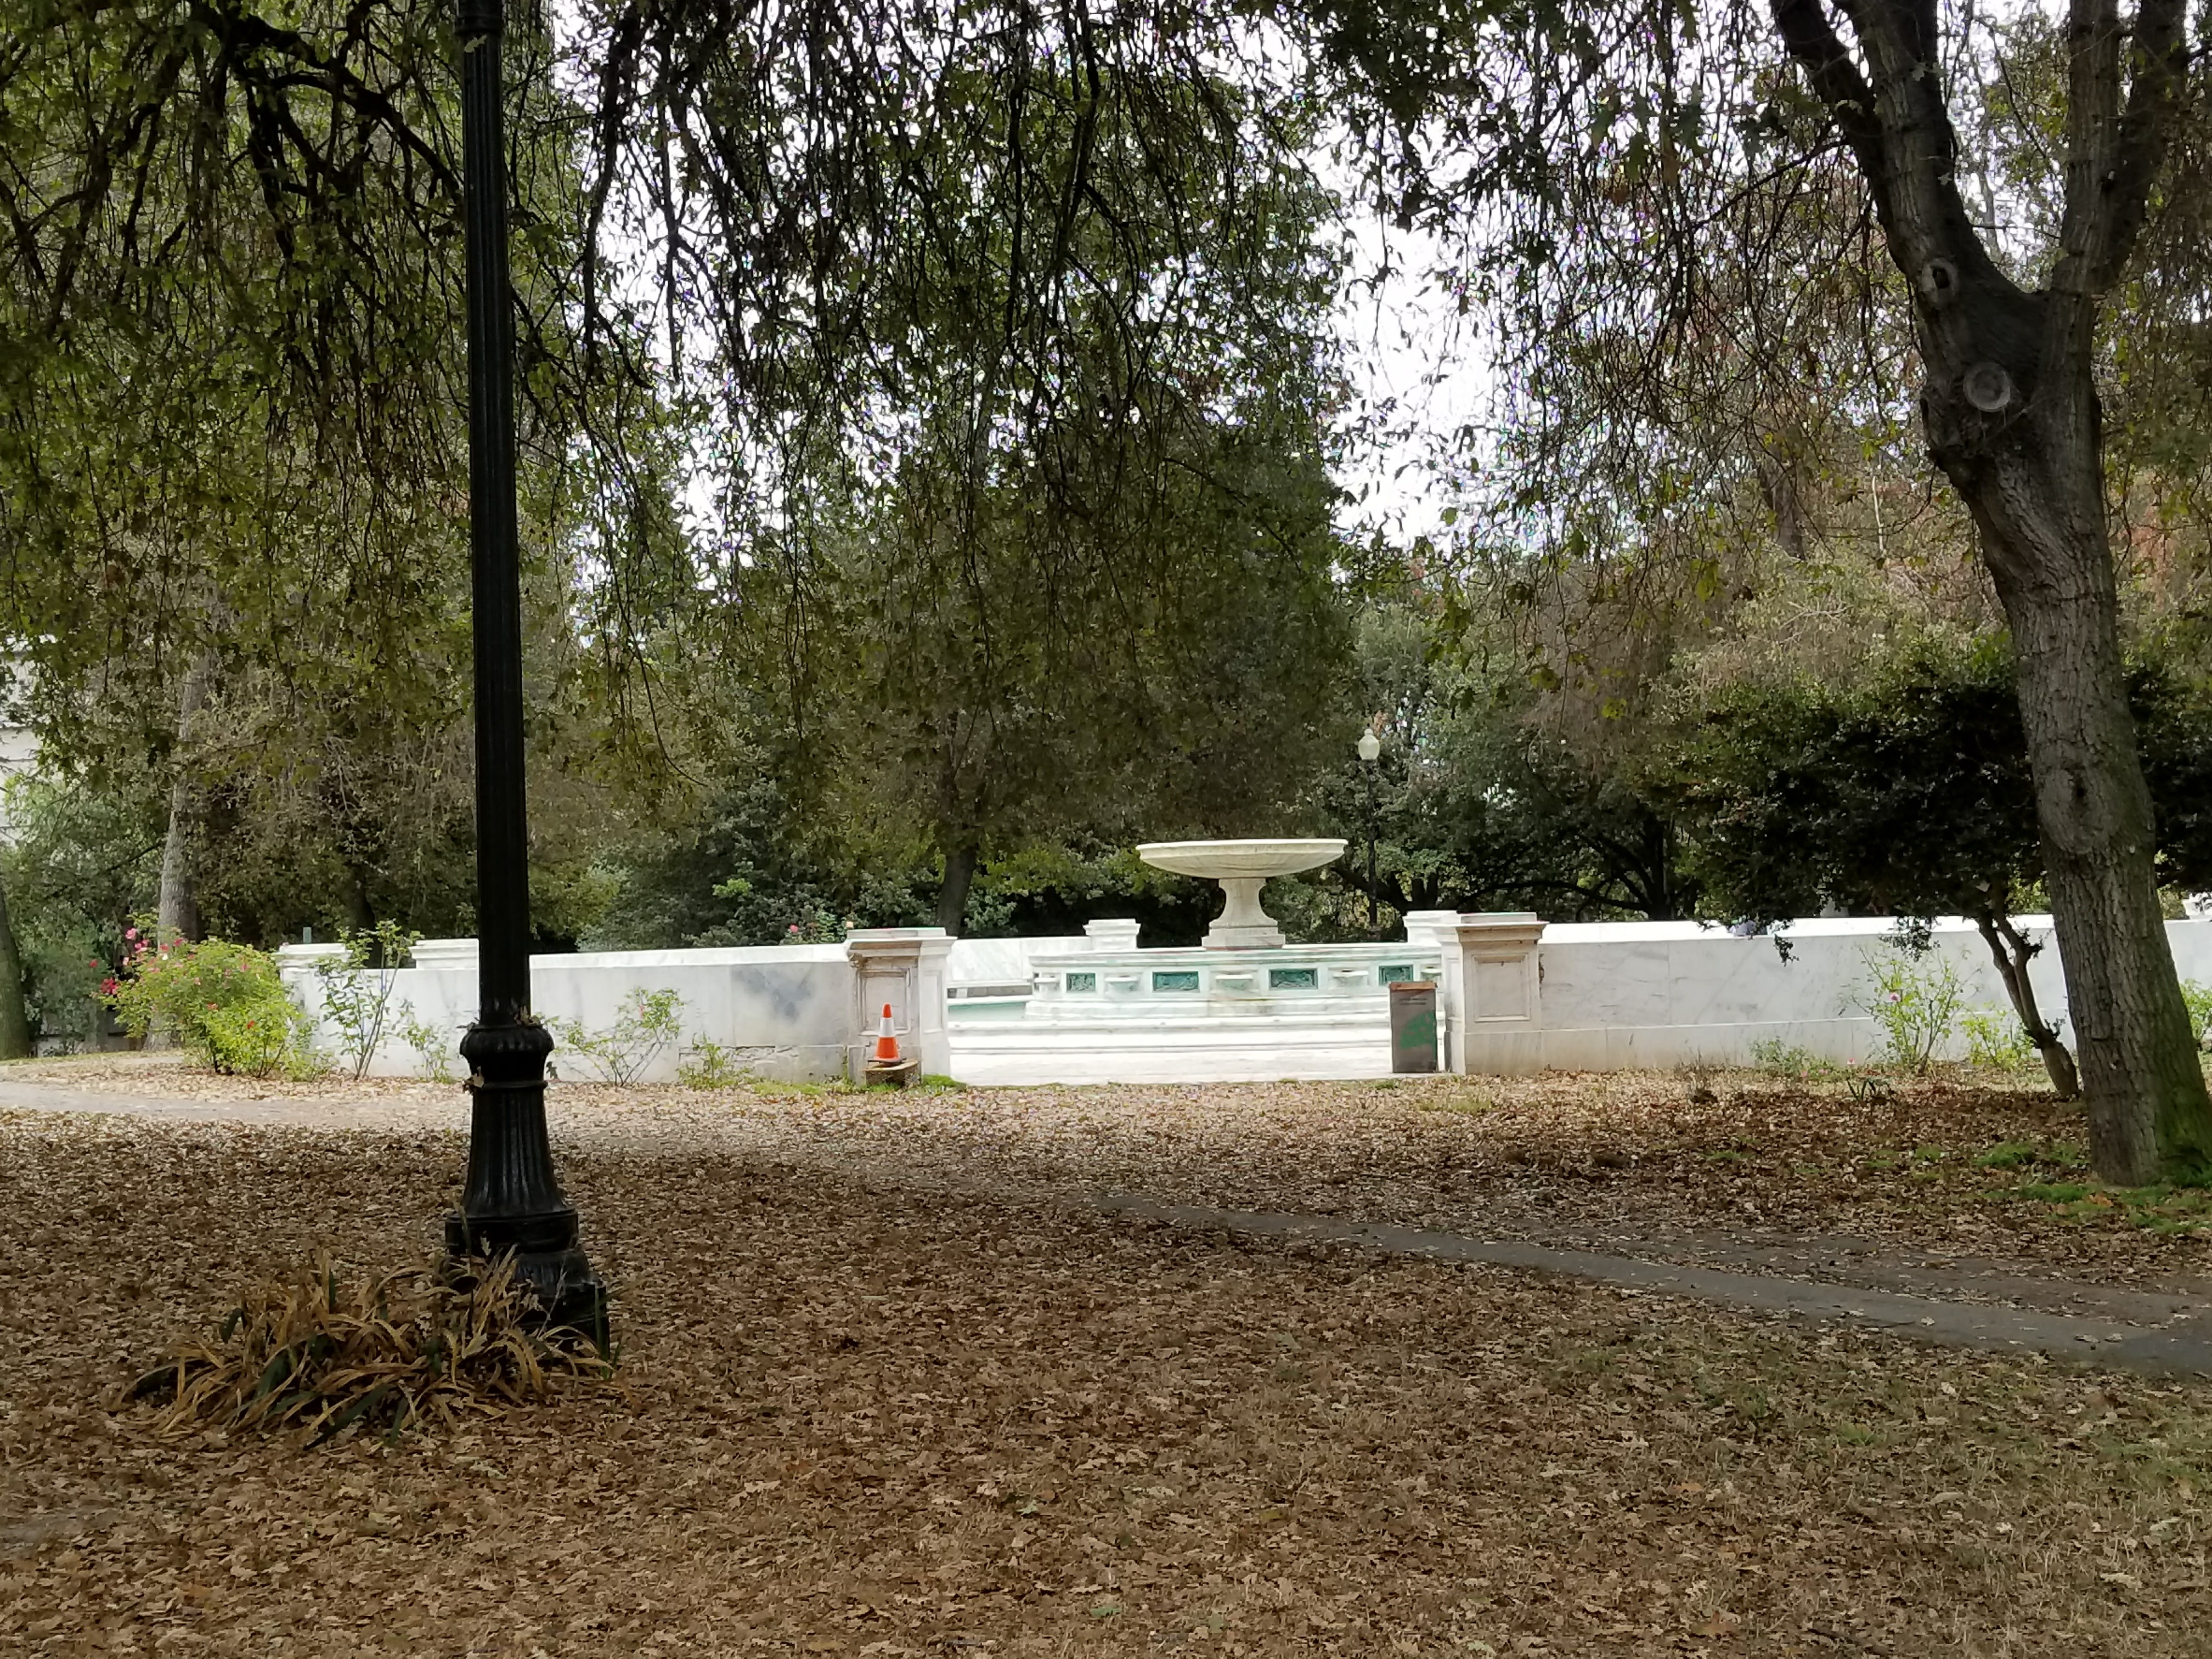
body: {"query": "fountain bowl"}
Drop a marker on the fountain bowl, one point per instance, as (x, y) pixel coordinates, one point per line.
(1241, 867)
(1247, 859)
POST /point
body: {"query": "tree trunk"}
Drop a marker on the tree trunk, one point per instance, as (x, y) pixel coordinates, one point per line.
(14, 1016)
(2008, 401)
(2032, 476)
(2013, 952)
(1659, 839)
(177, 916)
(360, 914)
(952, 896)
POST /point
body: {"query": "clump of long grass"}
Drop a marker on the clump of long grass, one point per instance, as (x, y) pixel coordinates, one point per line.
(325, 1355)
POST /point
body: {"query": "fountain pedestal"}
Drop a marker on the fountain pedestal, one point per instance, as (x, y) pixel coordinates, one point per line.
(1243, 924)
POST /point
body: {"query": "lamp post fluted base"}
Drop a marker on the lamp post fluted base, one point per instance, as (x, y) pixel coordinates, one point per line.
(511, 1205)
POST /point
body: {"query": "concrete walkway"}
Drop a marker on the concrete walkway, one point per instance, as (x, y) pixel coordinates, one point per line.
(2115, 1327)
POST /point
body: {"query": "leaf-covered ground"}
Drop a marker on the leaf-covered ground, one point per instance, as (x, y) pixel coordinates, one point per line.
(1733, 1169)
(887, 1394)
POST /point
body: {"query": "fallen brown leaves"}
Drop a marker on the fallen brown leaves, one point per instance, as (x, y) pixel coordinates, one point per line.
(870, 1417)
(1623, 1163)
(1951, 1176)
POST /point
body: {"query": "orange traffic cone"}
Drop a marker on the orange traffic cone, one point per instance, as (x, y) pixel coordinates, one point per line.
(887, 1066)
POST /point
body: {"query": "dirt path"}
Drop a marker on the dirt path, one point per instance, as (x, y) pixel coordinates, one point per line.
(1958, 1299)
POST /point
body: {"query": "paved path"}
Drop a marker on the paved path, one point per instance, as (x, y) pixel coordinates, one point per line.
(2135, 1330)
(2183, 1345)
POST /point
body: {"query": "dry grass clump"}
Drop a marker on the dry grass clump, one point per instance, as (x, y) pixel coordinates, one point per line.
(324, 1356)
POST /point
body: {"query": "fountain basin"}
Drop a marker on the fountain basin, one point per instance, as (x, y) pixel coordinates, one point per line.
(1242, 867)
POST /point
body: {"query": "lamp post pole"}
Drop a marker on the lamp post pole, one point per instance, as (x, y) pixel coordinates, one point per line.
(512, 1202)
(1371, 750)
(1373, 918)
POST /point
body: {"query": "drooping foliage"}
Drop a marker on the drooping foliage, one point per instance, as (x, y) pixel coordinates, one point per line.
(233, 479)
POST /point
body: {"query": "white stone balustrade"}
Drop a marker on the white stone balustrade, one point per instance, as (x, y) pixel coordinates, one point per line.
(1513, 995)
(1112, 933)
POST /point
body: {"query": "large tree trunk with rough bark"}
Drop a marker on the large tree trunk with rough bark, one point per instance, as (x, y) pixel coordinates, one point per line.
(15, 1016)
(2009, 405)
(176, 913)
(960, 858)
(2036, 490)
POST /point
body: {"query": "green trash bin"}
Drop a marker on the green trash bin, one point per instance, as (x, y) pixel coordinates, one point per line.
(1414, 1026)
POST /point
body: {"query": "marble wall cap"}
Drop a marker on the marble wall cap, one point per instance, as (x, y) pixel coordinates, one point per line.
(1495, 929)
(290, 956)
(444, 953)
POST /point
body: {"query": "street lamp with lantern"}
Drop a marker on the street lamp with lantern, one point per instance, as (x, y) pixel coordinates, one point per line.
(1370, 751)
(511, 1203)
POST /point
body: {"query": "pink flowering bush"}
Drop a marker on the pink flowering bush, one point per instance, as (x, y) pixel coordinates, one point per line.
(222, 1003)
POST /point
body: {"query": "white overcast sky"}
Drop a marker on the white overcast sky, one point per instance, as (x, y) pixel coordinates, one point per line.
(1407, 348)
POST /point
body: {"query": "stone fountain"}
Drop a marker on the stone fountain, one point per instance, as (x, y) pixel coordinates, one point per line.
(1242, 867)
(1254, 1006)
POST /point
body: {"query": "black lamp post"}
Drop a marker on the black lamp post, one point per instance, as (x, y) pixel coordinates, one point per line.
(512, 1202)
(1371, 749)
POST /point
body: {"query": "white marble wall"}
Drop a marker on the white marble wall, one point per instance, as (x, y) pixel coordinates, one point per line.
(783, 1011)
(1669, 994)
(1609, 995)
(991, 963)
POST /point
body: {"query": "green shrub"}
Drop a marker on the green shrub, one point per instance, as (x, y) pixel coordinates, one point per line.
(650, 1021)
(357, 990)
(1914, 996)
(708, 1064)
(816, 926)
(2198, 996)
(1773, 1054)
(223, 1004)
(62, 980)
(1995, 1039)
(263, 1039)
(434, 1046)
